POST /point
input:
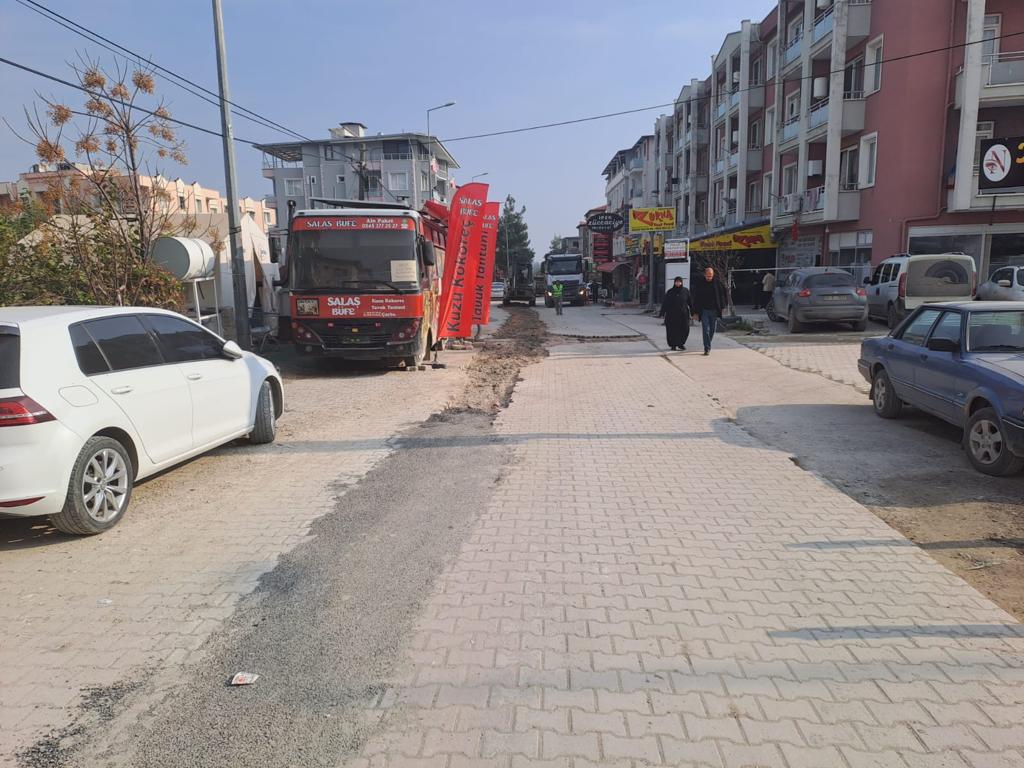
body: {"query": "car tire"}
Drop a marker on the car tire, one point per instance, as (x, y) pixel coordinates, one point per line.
(770, 311)
(99, 490)
(987, 447)
(886, 402)
(264, 429)
(860, 325)
(891, 317)
(794, 325)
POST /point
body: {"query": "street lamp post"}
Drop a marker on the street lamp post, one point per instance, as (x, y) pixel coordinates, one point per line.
(430, 139)
(480, 175)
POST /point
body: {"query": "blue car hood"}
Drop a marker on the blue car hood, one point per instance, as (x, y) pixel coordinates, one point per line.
(1002, 362)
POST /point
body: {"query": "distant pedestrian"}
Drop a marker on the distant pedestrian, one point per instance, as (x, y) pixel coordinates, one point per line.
(768, 288)
(709, 303)
(556, 294)
(676, 309)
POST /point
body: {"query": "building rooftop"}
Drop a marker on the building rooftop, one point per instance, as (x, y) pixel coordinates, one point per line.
(291, 151)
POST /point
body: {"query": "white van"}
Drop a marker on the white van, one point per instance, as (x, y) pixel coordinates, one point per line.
(900, 284)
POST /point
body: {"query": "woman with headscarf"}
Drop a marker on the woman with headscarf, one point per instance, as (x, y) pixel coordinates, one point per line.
(676, 309)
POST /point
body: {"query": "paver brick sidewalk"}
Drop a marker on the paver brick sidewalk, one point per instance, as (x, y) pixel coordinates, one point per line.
(651, 586)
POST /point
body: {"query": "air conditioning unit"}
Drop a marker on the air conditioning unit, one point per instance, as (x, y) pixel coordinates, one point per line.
(820, 87)
(815, 167)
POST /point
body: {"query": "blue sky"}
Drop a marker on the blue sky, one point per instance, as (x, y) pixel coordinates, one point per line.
(310, 64)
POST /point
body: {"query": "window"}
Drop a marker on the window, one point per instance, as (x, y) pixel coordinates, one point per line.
(398, 180)
(182, 203)
(948, 327)
(986, 130)
(756, 70)
(789, 179)
(868, 160)
(996, 331)
(753, 196)
(796, 30)
(199, 205)
(853, 79)
(916, 332)
(293, 188)
(849, 168)
(312, 181)
(793, 106)
(424, 182)
(773, 54)
(754, 139)
(990, 35)
(10, 357)
(769, 126)
(266, 218)
(124, 342)
(873, 70)
(182, 341)
(768, 189)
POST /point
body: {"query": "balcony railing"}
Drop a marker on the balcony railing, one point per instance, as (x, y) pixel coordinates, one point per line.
(720, 166)
(791, 129)
(792, 52)
(721, 108)
(1005, 68)
(823, 25)
(734, 100)
(734, 159)
(818, 115)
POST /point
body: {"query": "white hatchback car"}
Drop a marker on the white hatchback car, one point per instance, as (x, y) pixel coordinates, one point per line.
(94, 398)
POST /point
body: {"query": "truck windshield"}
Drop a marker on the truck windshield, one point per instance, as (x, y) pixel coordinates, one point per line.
(565, 267)
(353, 260)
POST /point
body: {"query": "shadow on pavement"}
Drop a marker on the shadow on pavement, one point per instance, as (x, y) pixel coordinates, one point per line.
(865, 632)
(928, 545)
(29, 532)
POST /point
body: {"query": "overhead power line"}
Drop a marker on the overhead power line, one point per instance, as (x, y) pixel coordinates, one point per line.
(170, 76)
(134, 107)
(675, 103)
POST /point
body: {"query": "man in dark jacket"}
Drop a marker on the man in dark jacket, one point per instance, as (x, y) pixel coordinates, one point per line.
(708, 304)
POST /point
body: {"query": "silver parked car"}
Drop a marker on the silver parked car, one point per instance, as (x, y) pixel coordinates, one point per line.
(1006, 284)
(819, 295)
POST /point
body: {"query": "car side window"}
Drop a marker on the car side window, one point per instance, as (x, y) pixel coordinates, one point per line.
(90, 360)
(876, 276)
(948, 327)
(917, 329)
(181, 341)
(124, 341)
(1020, 276)
(1002, 274)
(895, 270)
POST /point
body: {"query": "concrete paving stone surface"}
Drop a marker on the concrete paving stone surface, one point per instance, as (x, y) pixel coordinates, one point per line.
(591, 321)
(79, 615)
(650, 585)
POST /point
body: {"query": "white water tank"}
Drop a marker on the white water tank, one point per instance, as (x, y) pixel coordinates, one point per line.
(820, 87)
(187, 258)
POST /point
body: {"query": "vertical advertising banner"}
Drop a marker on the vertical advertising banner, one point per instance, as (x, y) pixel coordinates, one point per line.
(485, 270)
(461, 258)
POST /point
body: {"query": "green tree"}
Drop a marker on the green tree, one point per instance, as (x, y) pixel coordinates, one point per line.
(556, 244)
(513, 237)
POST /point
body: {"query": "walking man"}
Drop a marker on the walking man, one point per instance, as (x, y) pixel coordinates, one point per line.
(768, 288)
(708, 304)
(556, 294)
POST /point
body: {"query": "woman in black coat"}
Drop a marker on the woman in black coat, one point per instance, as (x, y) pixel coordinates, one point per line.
(676, 309)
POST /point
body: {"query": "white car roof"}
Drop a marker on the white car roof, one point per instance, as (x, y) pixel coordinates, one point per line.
(64, 315)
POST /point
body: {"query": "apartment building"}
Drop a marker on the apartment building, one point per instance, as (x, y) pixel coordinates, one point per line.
(403, 168)
(829, 122)
(45, 182)
(630, 182)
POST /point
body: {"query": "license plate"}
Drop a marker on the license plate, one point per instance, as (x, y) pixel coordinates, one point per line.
(834, 298)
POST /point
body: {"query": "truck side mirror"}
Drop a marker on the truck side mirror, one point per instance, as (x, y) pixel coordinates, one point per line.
(427, 253)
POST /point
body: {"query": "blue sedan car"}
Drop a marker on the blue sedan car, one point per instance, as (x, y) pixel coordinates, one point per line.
(962, 362)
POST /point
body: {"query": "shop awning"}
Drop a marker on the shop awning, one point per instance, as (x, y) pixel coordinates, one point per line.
(610, 266)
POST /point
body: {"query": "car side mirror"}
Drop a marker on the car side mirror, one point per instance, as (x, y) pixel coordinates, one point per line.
(427, 253)
(232, 351)
(943, 345)
(1004, 284)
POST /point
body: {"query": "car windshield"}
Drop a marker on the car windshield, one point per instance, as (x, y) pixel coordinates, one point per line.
(10, 363)
(357, 260)
(830, 280)
(997, 331)
(565, 267)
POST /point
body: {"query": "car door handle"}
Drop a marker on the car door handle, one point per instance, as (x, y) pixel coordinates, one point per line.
(122, 390)
(194, 376)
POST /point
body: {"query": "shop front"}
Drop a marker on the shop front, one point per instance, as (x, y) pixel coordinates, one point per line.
(992, 246)
(744, 254)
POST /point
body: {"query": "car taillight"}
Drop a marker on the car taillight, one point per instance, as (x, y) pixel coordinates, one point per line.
(805, 293)
(902, 289)
(406, 331)
(19, 411)
(861, 292)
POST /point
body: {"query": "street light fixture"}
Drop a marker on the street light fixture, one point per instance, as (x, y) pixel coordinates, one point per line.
(430, 139)
(480, 175)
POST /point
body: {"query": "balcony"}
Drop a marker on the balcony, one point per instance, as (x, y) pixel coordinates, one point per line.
(1002, 81)
(818, 116)
(695, 184)
(858, 21)
(790, 131)
(721, 108)
(636, 164)
(792, 52)
(734, 100)
(734, 160)
(811, 206)
(823, 25)
(755, 157)
(719, 166)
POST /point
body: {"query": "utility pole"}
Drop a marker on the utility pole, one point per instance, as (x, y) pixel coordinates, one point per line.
(241, 293)
(362, 172)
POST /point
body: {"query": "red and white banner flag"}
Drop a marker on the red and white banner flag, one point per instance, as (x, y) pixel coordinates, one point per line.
(485, 270)
(461, 261)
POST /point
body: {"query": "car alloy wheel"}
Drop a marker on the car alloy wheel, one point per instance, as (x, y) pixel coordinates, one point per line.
(105, 485)
(986, 442)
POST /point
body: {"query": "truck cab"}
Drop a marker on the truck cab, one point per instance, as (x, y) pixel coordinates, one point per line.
(566, 268)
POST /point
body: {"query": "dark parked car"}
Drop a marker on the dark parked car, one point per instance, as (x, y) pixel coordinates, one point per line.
(962, 362)
(819, 295)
